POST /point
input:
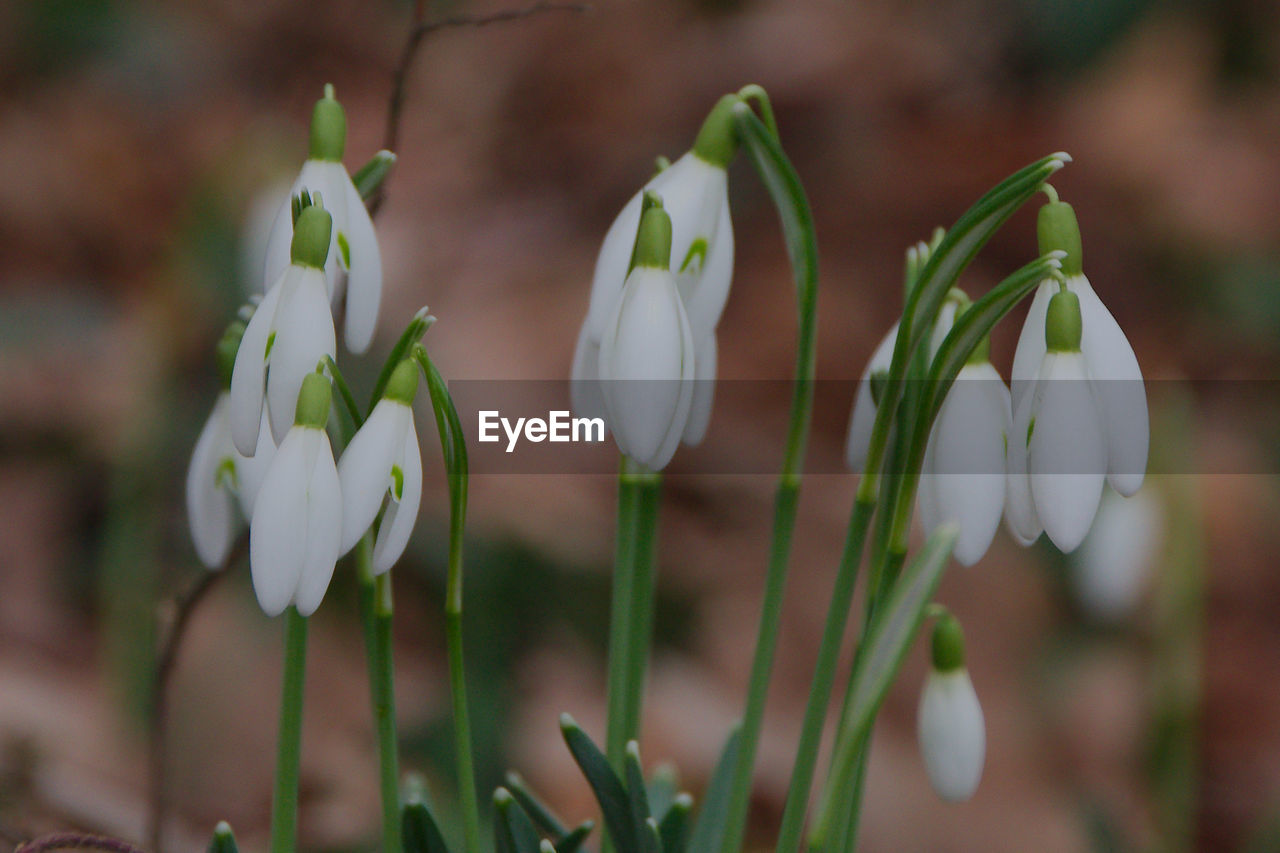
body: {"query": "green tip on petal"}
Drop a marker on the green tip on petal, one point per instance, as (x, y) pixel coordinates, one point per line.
(328, 128)
(313, 402)
(1062, 324)
(311, 234)
(653, 238)
(224, 840)
(948, 644)
(717, 141)
(225, 352)
(403, 384)
(1057, 229)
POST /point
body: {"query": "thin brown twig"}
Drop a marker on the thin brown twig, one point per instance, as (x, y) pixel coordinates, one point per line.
(76, 841)
(184, 607)
(420, 30)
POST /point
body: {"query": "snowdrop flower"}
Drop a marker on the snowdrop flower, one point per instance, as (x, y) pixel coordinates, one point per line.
(1116, 558)
(383, 466)
(949, 724)
(963, 476)
(1110, 359)
(218, 474)
(1058, 445)
(291, 331)
(694, 191)
(296, 527)
(866, 402)
(646, 364)
(354, 264)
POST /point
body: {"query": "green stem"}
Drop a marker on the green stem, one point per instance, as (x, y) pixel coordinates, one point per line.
(620, 617)
(376, 614)
(284, 805)
(784, 519)
(641, 630)
(823, 677)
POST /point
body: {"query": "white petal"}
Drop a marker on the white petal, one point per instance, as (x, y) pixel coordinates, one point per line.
(864, 408)
(365, 468)
(585, 394)
(646, 352)
(693, 193)
(952, 734)
(209, 506)
(252, 469)
(304, 335)
(324, 527)
(1019, 508)
(364, 280)
(279, 244)
(278, 531)
(248, 375)
(704, 392)
(1068, 451)
(400, 517)
(1118, 555)
(1029, 355)
(701, 241)
(969, 463)
(1121, 395)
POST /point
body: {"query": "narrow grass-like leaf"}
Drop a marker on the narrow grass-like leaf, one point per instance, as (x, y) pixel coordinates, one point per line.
(895, 626)
(663, 786)
(610, 793)
(572, 841)
(411, 335)
(637, 795)
(537, 810)
(224, 840)
(708, 831)
(418, 829)
(650, 836)
(674, 826)
(514, 830)
(369, 177)
(784, 186)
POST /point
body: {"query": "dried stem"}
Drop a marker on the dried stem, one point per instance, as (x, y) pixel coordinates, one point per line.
(184, 608)
(76, 841)
(420, 30)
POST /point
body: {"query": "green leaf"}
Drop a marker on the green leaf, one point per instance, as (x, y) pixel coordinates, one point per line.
(610, 793)
(515, 831)
(224, 840)
(419, 831)
(638, 797)
(891, 634)
(708, 832)
(650, 836)
(663, 786)
(784, 186)
(571, 842)
(408, 339)
(368, 179)
(674, 826)
(534, 807)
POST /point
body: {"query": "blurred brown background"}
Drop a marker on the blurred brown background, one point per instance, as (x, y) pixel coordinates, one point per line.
(134, 140)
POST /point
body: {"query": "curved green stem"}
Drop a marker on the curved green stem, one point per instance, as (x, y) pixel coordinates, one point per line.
(621, 615)
(375, 615)
(284, 803)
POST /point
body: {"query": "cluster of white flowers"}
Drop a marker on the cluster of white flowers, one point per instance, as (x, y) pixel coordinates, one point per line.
(656, 322)
(1037, 456)
(265, 443)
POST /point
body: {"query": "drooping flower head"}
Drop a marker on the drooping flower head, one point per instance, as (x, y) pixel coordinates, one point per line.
(646, 364)
(296, 527)
(1117, 378)
(353, 269)
(949, 723)
(963, 473)
(694, 191)
(1058, 445)
(290, 332)
(219, 474)
(382, 467)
